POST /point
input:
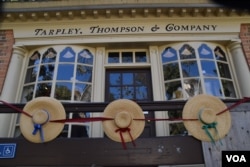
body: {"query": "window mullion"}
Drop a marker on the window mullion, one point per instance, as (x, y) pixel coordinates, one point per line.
(54, 81)
(220, 79)
(74, 81)
(201, 78)
(181, 79)
(233, 73)
(37, 76)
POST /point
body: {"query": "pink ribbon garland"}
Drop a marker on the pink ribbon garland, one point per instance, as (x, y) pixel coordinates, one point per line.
(123, 130)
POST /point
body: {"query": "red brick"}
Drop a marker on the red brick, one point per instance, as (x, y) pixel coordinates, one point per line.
(6, 44)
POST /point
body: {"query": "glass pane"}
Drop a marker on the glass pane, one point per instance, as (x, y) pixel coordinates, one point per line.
(65, 72)
(205, 52)
(177, 129)
(173, 90)
(187, 52)
(228, 88)
(209, 69)
(79, 130)
(67, 55)
(127, 57)
(192, 87)
(85, 56)
(84, 73)
(114, 93)
(220, 54)
(27, 94)
(190, 69)
(35, 58)
(46, 72)
(174, 114)
(82, 92)
(128, 92)
(224, 70)
(31, 74)
(168, 55)
(49, 56)
(212, 87)
(171, 71)
(140, 79)
(140, 57)
(127, 78)
(43, 89)
(63, 91)
(141, 93)
(65, 131)
(115, 79)
(113, 57)
(17, 132)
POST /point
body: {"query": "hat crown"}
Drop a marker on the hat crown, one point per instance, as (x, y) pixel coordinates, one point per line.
(123, 119)
(40, 117)
(207, 115)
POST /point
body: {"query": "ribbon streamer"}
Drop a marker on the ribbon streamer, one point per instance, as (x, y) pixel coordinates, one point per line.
(206, 127)
(122, 130)
(38, 127)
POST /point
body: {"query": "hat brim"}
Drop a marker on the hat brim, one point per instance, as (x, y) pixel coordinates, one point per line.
(50, 129)
(136, 127)
(191, 111)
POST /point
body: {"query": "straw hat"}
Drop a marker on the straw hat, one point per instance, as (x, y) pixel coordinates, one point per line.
(42, 110)
(123, 111)
(210, 125)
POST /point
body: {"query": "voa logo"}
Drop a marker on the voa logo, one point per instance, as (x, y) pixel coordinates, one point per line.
(236, 158)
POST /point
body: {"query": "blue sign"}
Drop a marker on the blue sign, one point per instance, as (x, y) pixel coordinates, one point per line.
(7, 150)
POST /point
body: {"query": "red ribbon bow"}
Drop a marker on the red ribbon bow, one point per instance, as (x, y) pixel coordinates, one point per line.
(123, 130)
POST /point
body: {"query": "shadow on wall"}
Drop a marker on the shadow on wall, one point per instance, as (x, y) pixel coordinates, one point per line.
(239, 4)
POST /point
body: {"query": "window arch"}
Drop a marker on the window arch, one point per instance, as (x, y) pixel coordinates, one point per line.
(85, 57)
(205, 51)
(187, 52)
(196, 68)
(67, 55)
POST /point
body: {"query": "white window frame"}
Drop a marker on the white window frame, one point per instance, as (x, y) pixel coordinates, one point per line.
(59, 49)
(195, 45)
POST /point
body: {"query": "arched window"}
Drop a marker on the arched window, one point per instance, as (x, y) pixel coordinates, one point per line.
(64, 73)
(196, 68)
(46, 73)
(83, 76)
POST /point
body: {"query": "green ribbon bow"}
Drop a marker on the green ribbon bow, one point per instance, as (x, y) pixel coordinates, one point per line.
(206, 127)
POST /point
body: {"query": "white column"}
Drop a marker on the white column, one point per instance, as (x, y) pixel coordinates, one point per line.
(241, 68)
(10, 89)
(158, 90)
(98, 87)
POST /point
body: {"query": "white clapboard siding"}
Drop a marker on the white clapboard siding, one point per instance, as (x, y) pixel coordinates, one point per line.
(238, 139)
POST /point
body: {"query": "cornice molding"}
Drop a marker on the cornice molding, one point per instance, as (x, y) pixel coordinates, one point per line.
(118, 13)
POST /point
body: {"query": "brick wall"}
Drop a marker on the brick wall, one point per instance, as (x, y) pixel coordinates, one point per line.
(6, 45)
(245, 38)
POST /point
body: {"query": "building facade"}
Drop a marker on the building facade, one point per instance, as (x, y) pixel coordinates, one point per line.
(96, 51)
